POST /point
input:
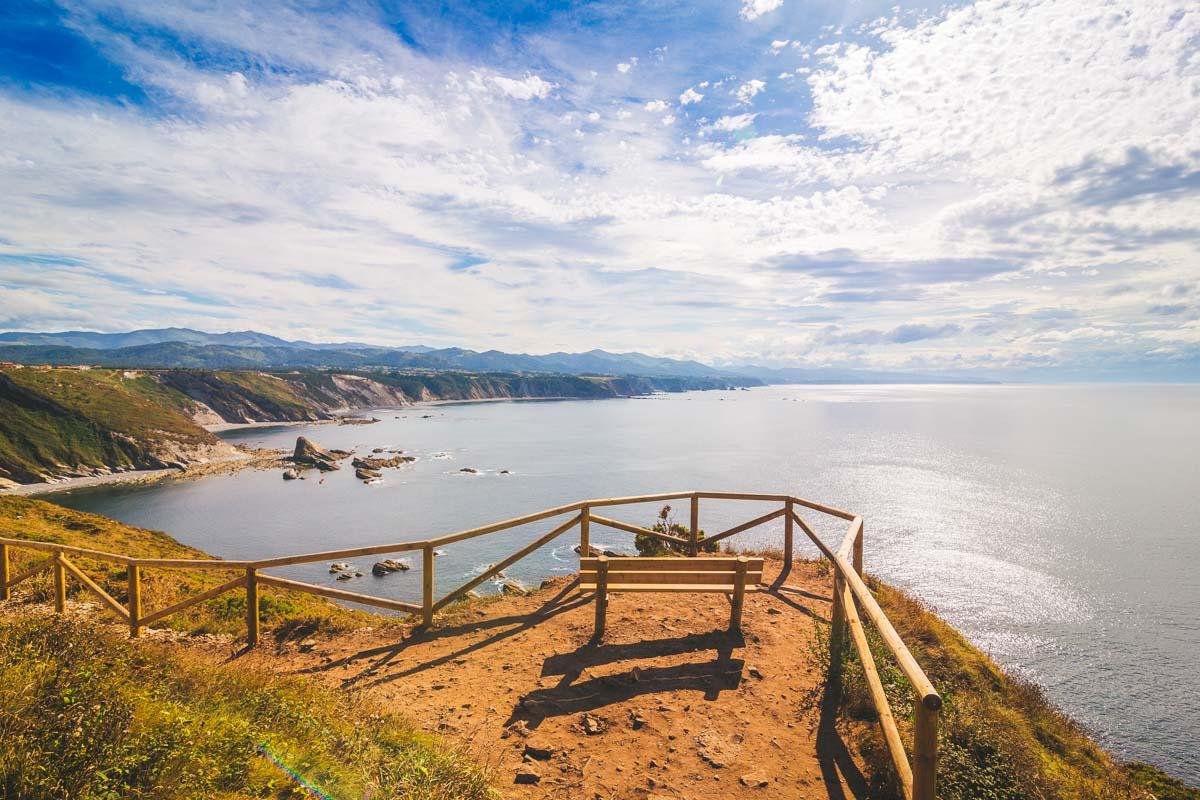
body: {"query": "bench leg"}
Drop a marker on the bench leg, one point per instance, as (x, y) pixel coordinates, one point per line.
(735, 611)
(739, 596)
(601, 598)
(601, 613)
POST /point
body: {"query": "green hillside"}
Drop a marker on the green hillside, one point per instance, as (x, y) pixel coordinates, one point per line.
(56, 421)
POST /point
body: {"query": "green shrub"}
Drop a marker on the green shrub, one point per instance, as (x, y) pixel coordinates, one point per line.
(652, 546)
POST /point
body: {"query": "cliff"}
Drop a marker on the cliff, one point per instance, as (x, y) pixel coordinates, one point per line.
(63, 422)
(66, 423)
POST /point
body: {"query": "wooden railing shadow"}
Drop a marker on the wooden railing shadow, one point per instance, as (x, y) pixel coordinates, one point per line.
(722, 673)
(838, 770)
(572, 664)
(567, 599)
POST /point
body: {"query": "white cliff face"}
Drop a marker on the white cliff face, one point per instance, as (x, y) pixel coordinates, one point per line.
(363, 392)
(204, 415)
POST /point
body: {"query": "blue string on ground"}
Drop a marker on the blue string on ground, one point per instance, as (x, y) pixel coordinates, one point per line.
(262, 748)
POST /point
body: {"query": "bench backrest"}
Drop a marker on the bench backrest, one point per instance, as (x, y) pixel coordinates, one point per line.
(670, 571)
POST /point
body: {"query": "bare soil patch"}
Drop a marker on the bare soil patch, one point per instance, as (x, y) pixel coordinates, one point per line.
(669, 705)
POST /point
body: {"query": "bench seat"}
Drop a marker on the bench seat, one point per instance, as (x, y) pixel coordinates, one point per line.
(730, 575)
(714, 588)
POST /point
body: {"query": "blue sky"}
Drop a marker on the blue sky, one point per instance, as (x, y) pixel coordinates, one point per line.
(1003, 188)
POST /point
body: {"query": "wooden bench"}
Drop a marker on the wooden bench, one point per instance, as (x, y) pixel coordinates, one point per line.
(732, 576)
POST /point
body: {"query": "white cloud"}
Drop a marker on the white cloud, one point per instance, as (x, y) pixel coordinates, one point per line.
(527, 88)
(690, 96)
(656, 105)
(746, 92)
(625, 66)
(733, 123)
(753, 9)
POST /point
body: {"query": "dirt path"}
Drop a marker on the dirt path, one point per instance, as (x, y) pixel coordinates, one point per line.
(668, 706)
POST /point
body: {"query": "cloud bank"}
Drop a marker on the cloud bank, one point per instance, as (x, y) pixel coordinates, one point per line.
(1009, 187)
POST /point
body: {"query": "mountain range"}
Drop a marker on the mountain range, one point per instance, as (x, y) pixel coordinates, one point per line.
(193, 349)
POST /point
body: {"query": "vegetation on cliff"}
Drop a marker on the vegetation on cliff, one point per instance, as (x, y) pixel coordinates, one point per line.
(55, 422)
(1000, 738)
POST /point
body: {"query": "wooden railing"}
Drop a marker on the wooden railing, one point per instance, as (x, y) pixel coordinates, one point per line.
(850, 593)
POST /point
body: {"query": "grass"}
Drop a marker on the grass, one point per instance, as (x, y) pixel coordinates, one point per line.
(290, 614)
(86, 715)
(1000, 737)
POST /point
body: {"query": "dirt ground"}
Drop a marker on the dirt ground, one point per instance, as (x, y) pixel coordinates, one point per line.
(668, 705)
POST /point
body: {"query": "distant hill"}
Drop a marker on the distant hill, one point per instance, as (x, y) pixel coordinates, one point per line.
(242, 352)
(166, 348)
(110, 341)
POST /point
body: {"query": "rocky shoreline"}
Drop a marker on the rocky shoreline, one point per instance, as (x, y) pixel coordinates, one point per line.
(246, 459)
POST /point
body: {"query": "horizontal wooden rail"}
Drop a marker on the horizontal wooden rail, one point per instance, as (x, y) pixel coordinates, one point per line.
(851, 593)
(515, 522)
(50, 547)
(824, 509)
(765, 498)
(335, 555)
(887, 723)
(191, 563)
(638, 498)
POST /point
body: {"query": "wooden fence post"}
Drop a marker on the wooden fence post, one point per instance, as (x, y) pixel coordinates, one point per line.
(251, 606)
(837, 628)
(60, 584)
(585, 533)
(427, 585)
(788, 530)
(858, 551)
(925, 746)
(4, 570)
(601, 596)
(693, 537)
(134, 576)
